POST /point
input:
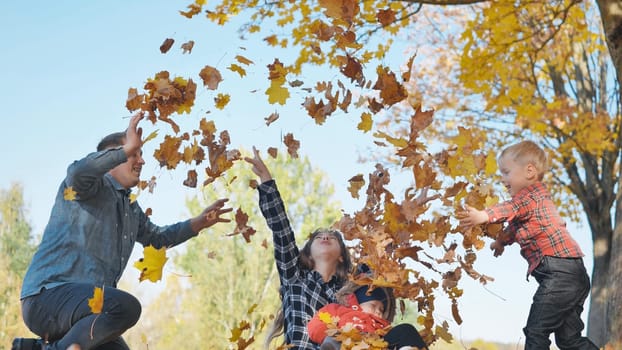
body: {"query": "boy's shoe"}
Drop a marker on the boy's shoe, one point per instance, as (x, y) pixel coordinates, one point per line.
(330, 343)
(27, 344)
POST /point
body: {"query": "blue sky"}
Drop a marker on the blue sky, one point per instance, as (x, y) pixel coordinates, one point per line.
(67, 68)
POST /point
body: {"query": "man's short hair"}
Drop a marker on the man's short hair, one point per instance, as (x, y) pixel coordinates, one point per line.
(113, 140)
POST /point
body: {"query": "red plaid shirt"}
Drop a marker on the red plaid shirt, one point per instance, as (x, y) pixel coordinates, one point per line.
(534, 223)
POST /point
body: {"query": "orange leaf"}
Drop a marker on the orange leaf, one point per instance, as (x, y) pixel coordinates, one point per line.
(96, 303)
(243, 60)
(241, 227)
(366, 122)
(385, 17)
(211, 77)
(356, 182)
(292, 145)
(391, 91)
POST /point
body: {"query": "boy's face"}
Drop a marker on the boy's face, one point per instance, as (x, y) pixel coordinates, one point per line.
(516, 176)
(374, 307)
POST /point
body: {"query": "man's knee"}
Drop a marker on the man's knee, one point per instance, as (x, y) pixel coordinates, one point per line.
(126, 309)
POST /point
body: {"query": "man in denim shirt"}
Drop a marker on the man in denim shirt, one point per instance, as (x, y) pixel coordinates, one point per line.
(87, 243)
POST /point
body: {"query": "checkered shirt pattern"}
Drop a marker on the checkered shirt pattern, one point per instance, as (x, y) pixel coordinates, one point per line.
(534, 223)
(303, 292)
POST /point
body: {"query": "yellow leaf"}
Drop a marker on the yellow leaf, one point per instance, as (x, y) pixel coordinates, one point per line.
(277, 94)
(69, 194)
(238, 69)
(491, 164)
(222, 100)
(325, 317)
(151, 136)
(366, 123)
(151, 264)
(133, 197)
(96, 303)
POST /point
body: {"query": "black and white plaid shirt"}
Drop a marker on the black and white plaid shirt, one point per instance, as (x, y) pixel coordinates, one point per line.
(303, 291)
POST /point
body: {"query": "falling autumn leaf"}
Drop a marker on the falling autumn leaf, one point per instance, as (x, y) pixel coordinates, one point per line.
(366, 122)
(243, 60)
(356, 183)
(151, 264)
(221, 100)
(238, 69)
(211, 77)
(69, 194)
(187, 46)
(191, 179)
(96, 303)
(272, 151)
(166, 45)
(292, 145)
(271, 118)
(151, 136)
(241, 226)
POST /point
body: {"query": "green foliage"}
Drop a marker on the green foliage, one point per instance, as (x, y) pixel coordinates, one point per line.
(16, 251)
(226, 275)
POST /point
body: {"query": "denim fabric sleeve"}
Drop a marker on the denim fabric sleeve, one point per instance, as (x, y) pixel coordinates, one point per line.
(161, 236)
(85, 176)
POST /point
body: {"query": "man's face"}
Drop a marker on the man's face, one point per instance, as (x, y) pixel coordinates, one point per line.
(128, 173)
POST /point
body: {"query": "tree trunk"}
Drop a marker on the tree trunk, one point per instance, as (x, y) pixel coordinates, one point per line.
(601, 234)
(614, 300)
(611, 17)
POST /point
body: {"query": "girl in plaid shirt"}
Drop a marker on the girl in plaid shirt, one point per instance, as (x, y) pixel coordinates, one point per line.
(553, 256)
(311, 277)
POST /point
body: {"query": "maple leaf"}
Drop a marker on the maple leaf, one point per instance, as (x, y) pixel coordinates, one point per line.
(277, 93)
(241, 226)
(211, 77)
(366, 122)
(391, 91)
(187, 47)
(222, 100)
(69, 194)
(340, 9)
(168, 154)
(238, 69)
(134, 100)
(194, 10)
(96, 303)
(166, 45)
(353, 70)
(151, 264)
(292, 145)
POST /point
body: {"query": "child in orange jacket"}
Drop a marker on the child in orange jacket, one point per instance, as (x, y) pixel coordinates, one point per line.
(368, 311)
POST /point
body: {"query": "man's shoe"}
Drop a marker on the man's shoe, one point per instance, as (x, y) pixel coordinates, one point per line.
(27, 344)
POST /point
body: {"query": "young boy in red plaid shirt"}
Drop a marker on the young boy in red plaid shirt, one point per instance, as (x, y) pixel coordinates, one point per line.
(554, 257)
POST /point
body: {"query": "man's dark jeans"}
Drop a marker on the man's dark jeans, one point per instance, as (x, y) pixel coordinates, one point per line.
(62, 316)
(557, 305)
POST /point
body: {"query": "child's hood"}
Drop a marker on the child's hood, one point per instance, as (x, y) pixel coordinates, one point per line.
(345, 296)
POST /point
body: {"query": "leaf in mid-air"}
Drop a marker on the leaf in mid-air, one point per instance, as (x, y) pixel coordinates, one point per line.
(69, 194)
(151, 264)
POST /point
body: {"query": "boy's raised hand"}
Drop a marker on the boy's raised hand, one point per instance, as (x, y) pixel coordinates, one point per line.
(259, 167)
(472, 217)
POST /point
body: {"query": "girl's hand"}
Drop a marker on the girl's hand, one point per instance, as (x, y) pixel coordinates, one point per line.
(259, 167)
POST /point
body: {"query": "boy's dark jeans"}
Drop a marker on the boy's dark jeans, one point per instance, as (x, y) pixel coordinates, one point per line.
(62, 316)
(557, 305)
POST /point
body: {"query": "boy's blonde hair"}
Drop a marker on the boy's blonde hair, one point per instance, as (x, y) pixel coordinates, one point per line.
(527, 152)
